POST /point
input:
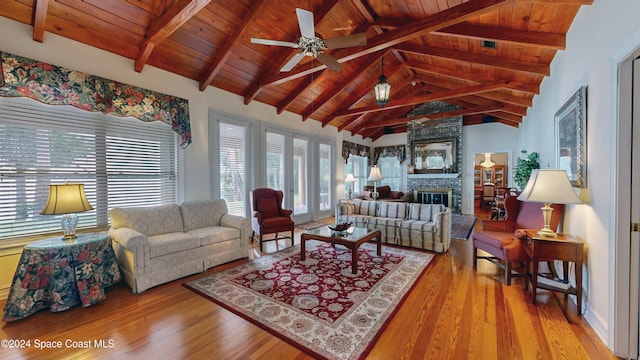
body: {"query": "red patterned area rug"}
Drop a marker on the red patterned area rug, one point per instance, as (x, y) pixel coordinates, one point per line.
(318, 305)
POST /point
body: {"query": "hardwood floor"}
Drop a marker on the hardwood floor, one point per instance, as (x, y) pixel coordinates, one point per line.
(455, 312)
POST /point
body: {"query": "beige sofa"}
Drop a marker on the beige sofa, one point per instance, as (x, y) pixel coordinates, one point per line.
(158, 244)
(423, 226)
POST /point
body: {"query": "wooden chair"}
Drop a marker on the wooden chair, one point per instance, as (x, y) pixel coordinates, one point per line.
(500, 238)
(268, 215)
(488, 195)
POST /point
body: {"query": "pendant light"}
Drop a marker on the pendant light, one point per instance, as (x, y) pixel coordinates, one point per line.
(382, 89)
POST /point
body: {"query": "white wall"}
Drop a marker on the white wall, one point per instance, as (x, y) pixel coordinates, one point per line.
(600, 37)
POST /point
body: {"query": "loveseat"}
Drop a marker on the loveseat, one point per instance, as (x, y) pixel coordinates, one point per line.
(158, 244)
(423, 226)
(384, 194)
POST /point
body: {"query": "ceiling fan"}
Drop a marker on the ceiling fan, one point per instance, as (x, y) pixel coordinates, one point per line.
(311, 45)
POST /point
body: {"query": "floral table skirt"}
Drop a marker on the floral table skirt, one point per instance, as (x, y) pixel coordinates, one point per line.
(57, 276)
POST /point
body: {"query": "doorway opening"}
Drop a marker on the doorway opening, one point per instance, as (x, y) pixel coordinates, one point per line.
(490, 176)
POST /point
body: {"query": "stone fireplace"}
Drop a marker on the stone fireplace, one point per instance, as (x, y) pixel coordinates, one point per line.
(433, 187)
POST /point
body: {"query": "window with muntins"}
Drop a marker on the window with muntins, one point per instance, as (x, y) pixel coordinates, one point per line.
(357, 165)
(121, 162)
(391, 172)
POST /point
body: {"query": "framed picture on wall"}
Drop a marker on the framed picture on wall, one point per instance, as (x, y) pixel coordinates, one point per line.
(571, 138)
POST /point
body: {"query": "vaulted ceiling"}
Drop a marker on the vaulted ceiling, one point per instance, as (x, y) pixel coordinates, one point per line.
(486, 56)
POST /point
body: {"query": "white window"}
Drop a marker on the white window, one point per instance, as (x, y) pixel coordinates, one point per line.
(232, 166)
(275, 160)
(324, 177)
(121, 162)
(357, 165)
(391, 172)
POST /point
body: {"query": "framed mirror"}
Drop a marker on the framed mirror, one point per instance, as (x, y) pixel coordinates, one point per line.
(434, 156)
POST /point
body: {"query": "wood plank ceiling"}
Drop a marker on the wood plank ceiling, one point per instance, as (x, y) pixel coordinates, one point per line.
(486, 56)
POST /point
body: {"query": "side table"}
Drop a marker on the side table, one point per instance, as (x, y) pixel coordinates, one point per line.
(564, 247)
(58, 275)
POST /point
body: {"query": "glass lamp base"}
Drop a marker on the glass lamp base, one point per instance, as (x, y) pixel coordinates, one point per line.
(69, 223)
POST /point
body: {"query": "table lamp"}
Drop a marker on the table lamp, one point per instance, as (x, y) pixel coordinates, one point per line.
(374, 176)
(549, 186)
(349, 180)
(67, 199)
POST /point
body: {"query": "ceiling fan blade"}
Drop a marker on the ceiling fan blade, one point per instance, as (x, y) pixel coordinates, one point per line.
(273, 42)
(346, 41)
(292, 62)
(305, 20)
(329, 61)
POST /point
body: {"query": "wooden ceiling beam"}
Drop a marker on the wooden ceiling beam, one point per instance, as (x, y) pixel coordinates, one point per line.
(421, 67)
(442, 95)
(502, 35)
(559, 2)
(362, 93)
(480, 119)
(224, 52)
(508, 116)
(318, 17)
(481, 59)
(39, 19)
(451, 16)
(175, 16)
(440, 115)
(335, 90)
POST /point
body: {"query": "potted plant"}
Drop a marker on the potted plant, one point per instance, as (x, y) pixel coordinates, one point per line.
(525, 165)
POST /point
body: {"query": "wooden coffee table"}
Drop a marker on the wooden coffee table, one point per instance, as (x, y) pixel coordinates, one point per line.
(352, 239)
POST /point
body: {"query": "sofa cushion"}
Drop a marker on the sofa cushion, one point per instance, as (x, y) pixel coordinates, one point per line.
(215, 234)
(347, 208)
(424, 212)
(150, 221)
(205, 213)
(170, 243)
(395, 210)
(364, 207)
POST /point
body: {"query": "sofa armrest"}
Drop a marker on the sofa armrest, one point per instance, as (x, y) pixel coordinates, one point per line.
(128, 238)
(237, 222)
(442, 236)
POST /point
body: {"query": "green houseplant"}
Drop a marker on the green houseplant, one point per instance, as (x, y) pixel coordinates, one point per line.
(525, 165)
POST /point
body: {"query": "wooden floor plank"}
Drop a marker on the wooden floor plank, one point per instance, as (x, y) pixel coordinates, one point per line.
(454, 312)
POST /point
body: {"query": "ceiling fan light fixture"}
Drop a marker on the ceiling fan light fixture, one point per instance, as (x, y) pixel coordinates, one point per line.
(382, 89)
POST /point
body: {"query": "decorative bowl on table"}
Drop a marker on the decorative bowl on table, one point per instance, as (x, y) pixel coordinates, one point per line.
(340, 227)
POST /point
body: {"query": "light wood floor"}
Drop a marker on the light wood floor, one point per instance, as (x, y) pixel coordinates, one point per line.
(455, 312)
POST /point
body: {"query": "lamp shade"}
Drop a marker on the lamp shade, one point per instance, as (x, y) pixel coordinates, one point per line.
(350, 178)
(66, 199)
(549, 186)
(375, 175)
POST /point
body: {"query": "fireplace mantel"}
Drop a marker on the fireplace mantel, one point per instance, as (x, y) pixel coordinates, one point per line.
(433, 176)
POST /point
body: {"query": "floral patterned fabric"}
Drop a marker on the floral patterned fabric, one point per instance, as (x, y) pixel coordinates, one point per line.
(56, 85)
(60, 277)
(397, 151)
(349, 148)
(318, 304)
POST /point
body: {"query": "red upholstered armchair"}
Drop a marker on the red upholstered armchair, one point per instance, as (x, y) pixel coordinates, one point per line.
(268, 215)
(500, 238)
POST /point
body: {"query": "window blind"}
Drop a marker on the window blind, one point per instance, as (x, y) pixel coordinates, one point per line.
(233, 173)
(121, 162)
(275, 144)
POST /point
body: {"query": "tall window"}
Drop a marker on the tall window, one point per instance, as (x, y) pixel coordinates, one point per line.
(300, 179)
(391, 171)
(232, 166)
(121, 162)
(275, 160)
(324, 177)
(357, 165)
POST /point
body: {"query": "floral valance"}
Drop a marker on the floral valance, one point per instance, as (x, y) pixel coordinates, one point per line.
(56, 85)
(396, 151)
(349, 148)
